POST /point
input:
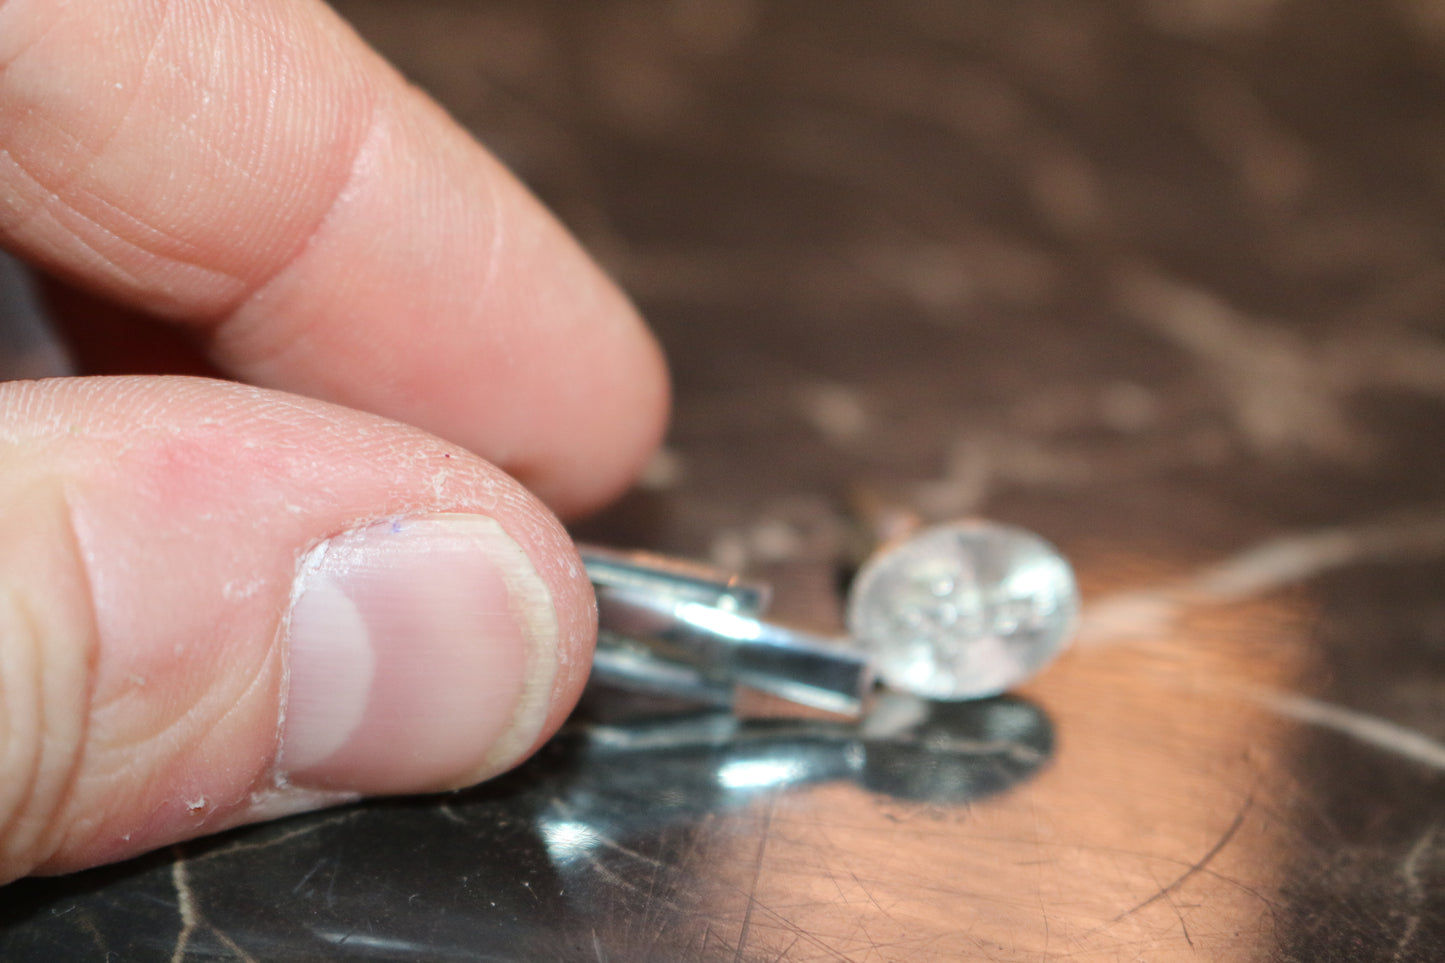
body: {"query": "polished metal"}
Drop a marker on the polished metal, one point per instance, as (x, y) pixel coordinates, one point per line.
(676, 628)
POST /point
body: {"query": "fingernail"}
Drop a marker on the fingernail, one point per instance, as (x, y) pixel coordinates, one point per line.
(421, 657)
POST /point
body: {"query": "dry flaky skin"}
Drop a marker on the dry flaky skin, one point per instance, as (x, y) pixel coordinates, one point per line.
(189, 505)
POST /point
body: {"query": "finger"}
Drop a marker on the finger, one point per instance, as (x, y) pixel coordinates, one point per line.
(251, 168)
(219, 604)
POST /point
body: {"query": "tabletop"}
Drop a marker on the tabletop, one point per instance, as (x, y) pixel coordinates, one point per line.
(1162, 280)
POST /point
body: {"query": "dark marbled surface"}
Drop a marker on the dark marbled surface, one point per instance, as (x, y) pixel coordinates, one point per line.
(1163, 280)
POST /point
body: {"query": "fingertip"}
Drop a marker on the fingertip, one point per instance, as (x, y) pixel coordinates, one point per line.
(293, 604)
(600, 466)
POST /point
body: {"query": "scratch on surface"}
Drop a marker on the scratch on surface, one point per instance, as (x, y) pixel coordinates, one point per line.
(448, 813)
(814, 940)
(615, 879)
(1197, 867)
(1414, 888)
(344, 816)
(605, 841)
(306, 877)
(787, 949)
(1371, 730)
(707, 937)
(1179, 915)
(871, 898)
(763, 837)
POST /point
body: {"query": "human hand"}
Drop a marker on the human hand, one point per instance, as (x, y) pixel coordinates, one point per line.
(221, 603)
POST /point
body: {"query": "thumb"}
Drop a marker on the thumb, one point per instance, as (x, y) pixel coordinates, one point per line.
(220, 604)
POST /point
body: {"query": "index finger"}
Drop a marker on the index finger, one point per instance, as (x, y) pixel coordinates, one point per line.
(253, 170)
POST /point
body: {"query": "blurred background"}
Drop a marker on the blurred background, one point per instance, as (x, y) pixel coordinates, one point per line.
(1163, 280)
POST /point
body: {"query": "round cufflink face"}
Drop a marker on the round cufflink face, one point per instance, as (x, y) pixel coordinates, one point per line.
(964, 610)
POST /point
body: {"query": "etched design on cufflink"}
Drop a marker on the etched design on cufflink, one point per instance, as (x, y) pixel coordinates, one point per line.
(964, 610)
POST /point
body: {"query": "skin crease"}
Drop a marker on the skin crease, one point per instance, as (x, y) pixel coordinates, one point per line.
(254, 171)
(149, 471)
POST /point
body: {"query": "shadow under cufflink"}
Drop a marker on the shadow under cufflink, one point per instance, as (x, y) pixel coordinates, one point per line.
(667, 796)
(905, 748)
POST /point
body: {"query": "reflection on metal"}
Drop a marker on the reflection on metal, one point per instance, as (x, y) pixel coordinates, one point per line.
(960, 611)
(675, 628)
(683, 766)
(948, 752)
(567, 839)
(378, 944)
(759, 773)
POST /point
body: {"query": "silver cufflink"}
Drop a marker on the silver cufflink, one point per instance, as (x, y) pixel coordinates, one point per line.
(964, 610)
